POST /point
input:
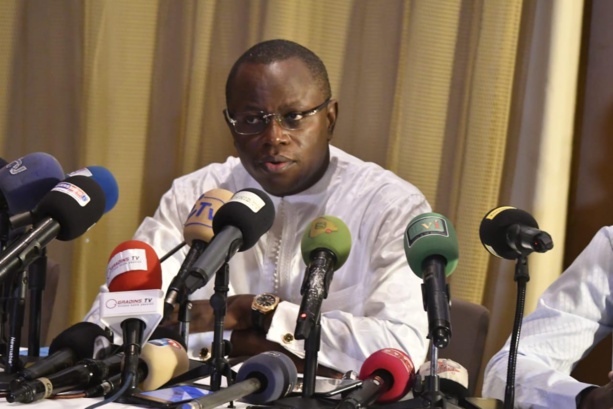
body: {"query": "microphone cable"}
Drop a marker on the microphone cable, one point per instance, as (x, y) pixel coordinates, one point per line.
(173, 251)
(116, 395)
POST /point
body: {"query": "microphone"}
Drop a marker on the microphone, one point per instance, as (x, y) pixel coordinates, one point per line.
(453, 377)
(197, 232)
(91, 372)
(80, 341)
(101, 175)
(105, 179)
(237, 226)
(325, 247)
(25, 181)
(508, 232)
(261, 379)
(66, 212)
(387, 375)
(162, 358)
(431, 248)
(134, 279)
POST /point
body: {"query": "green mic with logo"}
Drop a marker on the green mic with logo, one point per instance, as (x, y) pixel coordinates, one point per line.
(431, 247)
(325, 247)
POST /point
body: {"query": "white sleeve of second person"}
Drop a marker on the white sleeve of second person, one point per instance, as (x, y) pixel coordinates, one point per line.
(570, 318)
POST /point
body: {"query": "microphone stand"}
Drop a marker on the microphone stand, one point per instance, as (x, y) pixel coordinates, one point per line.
(185, 308)
(311, 349)
(5, 228)
(431, 396)
(521, 277)
(37, 273)
(18, 301)
(217, 365)
(218, 361)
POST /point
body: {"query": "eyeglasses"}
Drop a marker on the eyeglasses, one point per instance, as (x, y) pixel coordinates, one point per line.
(251, 123)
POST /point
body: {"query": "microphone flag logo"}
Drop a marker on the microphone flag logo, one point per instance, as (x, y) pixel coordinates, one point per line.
(427, 225)
(322, 225)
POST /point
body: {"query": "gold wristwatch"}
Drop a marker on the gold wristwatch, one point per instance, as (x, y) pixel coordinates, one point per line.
(262, 305)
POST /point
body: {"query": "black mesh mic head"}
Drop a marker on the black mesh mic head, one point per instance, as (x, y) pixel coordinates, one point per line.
(494, 226)
(86, 339)
(76, 203)
(249, 210)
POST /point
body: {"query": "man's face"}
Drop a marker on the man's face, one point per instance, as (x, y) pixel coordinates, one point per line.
(284, 162)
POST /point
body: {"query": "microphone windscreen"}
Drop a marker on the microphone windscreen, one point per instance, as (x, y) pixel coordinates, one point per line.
(277, 373)
(134, 265)
(165, 359)
(25, 181)
(249, 210)
(76, 203)
(3, 162)
(329, 233)
(398, 365)
(86, 339)
(105, 179)
(430, 234)
(199, 223)
(453, 377)
(494, 226)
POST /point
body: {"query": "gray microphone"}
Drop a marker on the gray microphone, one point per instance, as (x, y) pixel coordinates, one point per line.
(261, 379)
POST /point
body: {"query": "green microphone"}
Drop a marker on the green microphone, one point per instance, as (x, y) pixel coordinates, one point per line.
(325, 247)
(431, 247)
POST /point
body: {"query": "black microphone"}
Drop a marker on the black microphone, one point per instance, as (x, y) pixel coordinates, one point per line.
(197, 232)
(161, 360)
(431, 247)
(325, 247)
(260, 379)
(80, 341)
(86, 373)
(508, 232)
(67, 211)
(237, 225)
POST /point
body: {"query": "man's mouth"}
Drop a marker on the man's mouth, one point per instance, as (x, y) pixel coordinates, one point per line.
(276, 164)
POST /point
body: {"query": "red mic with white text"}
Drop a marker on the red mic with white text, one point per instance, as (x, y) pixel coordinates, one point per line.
(133, 306)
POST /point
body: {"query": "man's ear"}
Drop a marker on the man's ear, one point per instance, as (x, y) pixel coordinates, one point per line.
(331, 115)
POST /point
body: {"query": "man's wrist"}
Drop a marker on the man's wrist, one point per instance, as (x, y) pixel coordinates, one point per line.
(262, 309)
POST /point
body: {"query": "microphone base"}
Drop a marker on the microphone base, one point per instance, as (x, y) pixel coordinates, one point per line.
(299, 402)
(438, 400)
(425, 401)
(198, 370)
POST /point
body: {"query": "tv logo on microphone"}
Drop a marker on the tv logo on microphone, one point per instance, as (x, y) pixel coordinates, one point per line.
(17, 167)
(201, 208)
(426, 226)
(130, 302)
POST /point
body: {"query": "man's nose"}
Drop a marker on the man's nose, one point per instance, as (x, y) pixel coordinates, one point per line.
(274, 133)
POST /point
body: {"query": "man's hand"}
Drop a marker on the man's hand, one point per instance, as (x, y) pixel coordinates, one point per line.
(202, 319)
(599, 398)
(238, 313)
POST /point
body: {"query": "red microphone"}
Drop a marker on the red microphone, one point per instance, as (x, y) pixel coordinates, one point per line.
(133, 306)
(387, 376)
